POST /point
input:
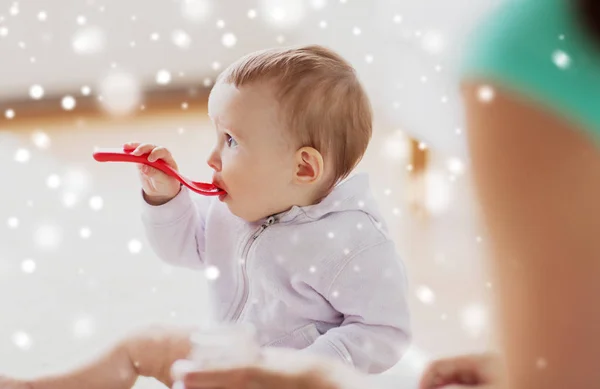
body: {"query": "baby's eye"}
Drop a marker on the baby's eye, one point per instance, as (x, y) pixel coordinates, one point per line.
(230, 141)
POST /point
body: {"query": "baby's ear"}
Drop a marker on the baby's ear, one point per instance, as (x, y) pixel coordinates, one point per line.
(309, 165)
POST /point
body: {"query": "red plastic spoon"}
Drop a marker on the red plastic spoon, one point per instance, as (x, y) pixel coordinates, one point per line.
(123, 155)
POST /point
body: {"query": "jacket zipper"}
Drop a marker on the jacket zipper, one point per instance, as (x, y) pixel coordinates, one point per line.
(269, 222)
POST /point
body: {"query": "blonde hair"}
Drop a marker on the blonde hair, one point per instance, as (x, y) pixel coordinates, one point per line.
(324, 104)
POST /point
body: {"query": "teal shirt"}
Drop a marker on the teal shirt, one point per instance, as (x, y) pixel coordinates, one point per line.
(538, 49)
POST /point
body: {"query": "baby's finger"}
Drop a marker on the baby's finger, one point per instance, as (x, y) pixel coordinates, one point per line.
(143, 149)
(158, 152)
(164, 154)
(130, 146)
(148, 171)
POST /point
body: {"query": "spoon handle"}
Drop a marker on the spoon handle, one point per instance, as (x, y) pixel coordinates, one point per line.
(119, 155)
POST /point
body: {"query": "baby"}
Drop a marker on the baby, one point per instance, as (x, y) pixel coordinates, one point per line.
(301, 251)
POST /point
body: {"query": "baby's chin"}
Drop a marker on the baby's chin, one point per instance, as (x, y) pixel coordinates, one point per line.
(250, 216)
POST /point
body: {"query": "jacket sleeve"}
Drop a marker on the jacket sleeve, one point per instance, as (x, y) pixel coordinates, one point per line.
(175, 230)
(370, 291)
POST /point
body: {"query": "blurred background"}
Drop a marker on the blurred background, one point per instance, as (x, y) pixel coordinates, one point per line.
(76, 272)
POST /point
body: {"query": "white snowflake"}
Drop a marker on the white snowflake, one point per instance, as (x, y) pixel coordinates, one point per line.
(438, 196)
(181, 39)
(42, 16)
(251, 13)
(212, 273)
(425, 294)
(14, 9)
(163, 77)
(85, 232)
(330, 235)
(81, 20)
(485, 93)
(455, 166)
(36, 92)
(196, 10)
(134, 246)
(47, 236)
(220, 23)
(312, 269)
(96, 203)
(323, 24)
(207, 82)
(69, 199)
(369, 58)
(40, 139)
(318, 4)
(28, 266)
(359, 226)
(53, 181)
(396, 146)
(3, 31)
(12, 222)
(122, 93)
(22, 340)
(335, 294)
(155, 36)
(356, 31)
(86, 90)
(89, 41)
(68, 103)
(22, 155)
(216, 65)
(433, 42)
(561, 59)
(474, 319)
(83, 327)
(9, 114)
(283, 13)
(397, 19)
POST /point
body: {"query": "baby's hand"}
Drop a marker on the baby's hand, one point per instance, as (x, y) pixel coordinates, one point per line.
(481, 371)
(158, 187)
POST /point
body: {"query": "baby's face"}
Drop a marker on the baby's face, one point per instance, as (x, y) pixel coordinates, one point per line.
(253, 160)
